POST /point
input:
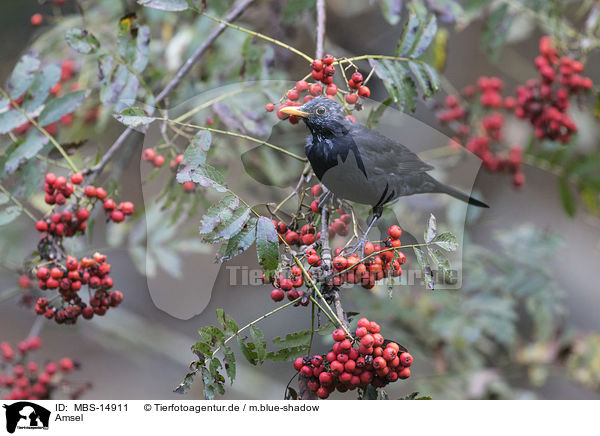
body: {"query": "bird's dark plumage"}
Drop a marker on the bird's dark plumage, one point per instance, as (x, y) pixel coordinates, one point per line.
(360, 164)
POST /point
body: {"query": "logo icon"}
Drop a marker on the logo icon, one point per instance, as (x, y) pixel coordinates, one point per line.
(26, 415)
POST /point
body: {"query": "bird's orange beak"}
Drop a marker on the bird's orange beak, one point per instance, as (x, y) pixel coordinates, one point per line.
(292, 110)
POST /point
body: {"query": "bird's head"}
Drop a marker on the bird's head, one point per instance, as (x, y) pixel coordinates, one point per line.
(320, 114)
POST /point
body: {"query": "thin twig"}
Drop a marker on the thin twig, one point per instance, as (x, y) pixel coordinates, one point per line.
(321, 19)
(237, 135)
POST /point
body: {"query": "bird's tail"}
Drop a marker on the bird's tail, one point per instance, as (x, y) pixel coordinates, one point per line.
(460, 195)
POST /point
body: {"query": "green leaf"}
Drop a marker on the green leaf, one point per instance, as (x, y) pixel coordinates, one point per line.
(376, 113)
(61, 106)
(496, 31)
(287, 354)
(426, 76)
(409, 34)
(295, 339)
(446, 240)
(165, 5)
(424, 38)
(230, 365)
(40, 88)
(425, 268)
(431, 231)
(203, 348)
(258, 336)
(267, 244)
(220, 212)
(392, 11)
(26, 150)
(395, 78)
(23, 75)
(195, 154)
(82, 41)
(10, 213)
(134, 117)
(248, 350)
(11, 119)
(240, 242)
(443, 265)
(566, 196)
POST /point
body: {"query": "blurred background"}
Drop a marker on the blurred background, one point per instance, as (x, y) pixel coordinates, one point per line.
(523, 325)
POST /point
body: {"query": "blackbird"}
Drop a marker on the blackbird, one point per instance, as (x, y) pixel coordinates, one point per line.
(360, 164)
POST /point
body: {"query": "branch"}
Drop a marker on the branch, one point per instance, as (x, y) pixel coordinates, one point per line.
(185, 68)
(321, 19)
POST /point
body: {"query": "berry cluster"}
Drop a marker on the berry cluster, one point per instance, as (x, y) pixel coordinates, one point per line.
(370, 360)
(23, 379)
(546, 107)
(322, 72)
(67, 274)
(543, 102)
(69, 279)
(380, 260)
(73, 220)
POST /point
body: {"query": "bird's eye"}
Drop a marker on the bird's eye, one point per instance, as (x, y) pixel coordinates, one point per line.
(321, 110)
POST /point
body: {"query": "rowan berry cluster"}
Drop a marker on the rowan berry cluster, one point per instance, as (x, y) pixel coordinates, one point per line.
(68, 279)
(322, 72)
(380, 260)
(73, 219)
(369, 360)
(67, 274)
(543, 102)
(24, 379)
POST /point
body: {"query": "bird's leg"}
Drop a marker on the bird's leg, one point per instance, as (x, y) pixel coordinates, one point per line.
(325, 196)
(377, 211)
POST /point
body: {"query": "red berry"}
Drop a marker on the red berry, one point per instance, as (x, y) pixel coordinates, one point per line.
(395, 232)
(404, 373)
(293, 94)
(36, 19)
(158, 161)
(117, 216)
(188, 186)
(351, 98)
(82, 214)
(109, 205)
(277, 295)
(41, 226)
(90, 191)
(301, 85)
(406, 359)
(298, 363)
(317, 65)
(315, 89)
(269, 107)
(148, 155)
(77, 178)
(328, 59)
(363, 91)
(338, 335)
(322, 393)
(331, 89)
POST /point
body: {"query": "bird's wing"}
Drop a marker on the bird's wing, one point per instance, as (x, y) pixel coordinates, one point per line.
(382, 155)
